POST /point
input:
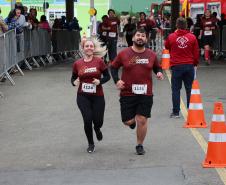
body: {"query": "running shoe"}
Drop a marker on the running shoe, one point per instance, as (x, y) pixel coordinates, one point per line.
(140, 149)
(99, 134)
(133, 126)
(174, 115)
(91, 148)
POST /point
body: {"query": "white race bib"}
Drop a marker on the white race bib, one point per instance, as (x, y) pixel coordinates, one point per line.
(88, 88)
(139, 88)
(208, 32)
(112, 34)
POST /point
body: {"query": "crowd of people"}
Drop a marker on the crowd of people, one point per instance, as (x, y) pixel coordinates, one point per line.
(162, 25)
(19, 18)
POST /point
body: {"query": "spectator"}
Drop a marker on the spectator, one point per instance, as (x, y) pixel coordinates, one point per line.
(26, 13)
(153, 32)
(74, 25)
(12, 21)
(197, 27)
(129, 29)
(63, 22)
(3, 25)
(44, 24)
(32, 18)
(184, 57)
(190, 24)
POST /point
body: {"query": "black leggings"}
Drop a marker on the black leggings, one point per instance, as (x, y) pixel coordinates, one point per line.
(92, 109)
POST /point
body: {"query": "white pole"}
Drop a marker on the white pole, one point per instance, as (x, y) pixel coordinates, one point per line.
(13, 2)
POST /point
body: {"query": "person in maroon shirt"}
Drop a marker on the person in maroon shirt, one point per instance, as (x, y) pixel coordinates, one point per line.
(207, 34)
(135, 84)
(113, 23)
(184, 55)
(87, 75)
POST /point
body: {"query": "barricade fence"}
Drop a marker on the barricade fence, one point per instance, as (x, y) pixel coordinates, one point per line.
(36, 46)
(218, 45)
(224, 38)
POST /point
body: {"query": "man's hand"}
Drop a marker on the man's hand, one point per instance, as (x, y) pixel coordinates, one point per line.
(96, 81)
(160, 76)
(120, 84)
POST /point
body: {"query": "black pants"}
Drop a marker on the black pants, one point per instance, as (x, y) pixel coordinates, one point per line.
(92, 109)
(112, 48)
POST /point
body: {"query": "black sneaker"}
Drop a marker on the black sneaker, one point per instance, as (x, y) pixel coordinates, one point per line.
(140, 149)
(91, 148)
(99, 134)
(133, 126)
(174, 115)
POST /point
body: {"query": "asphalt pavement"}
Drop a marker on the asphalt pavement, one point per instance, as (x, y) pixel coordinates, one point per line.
(42, 141)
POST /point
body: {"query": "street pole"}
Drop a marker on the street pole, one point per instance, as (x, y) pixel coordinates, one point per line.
(13, 2)
(69, 10)
(91, 26)
(175, 8)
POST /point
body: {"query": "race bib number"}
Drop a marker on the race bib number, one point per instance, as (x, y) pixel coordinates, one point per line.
(112, 34)
(88, 88)
(139, 88)
(104, 33)
(208, 32)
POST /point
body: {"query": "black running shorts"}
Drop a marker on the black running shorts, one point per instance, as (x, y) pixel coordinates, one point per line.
(207, 40)
(133, 105)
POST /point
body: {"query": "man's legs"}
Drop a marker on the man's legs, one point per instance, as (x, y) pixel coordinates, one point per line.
(176, 85)
(141, 128)
(188, 78)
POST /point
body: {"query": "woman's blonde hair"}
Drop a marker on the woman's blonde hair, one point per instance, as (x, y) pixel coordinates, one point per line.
(99, 49)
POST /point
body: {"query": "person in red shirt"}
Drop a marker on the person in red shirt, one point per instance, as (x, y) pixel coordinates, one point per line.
(113, 23)
(184, 55)
(135, 84)
(44, 24)
(87, 75)
(207, 34)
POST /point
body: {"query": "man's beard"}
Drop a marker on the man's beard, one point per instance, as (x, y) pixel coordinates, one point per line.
(139, 45)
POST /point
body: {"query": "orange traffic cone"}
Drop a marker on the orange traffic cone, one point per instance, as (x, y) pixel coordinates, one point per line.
(165, 59)
(196, 118)
(216, 151)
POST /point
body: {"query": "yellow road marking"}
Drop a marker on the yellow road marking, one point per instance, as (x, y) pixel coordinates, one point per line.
(197, 135)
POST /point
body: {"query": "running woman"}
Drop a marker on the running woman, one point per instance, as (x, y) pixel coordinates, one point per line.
(89, 73)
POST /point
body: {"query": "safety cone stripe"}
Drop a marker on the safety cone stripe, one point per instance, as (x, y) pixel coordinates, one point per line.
(195, 91)
(217, 137)
(195, 106)
(165, 56)
(218, 117)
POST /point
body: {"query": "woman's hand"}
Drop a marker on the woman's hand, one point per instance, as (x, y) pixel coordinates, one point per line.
(76, 82)
(96, 81)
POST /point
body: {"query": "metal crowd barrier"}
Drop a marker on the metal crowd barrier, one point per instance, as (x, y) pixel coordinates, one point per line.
(60, 37)
(224, 38)
(35, 46)
(160, 37)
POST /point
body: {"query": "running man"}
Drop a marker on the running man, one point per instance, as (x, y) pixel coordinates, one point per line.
(135, 84)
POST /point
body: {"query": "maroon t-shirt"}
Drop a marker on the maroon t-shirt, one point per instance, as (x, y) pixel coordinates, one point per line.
(86, 71)
(137, 71)
(113, 23)
(208, 24)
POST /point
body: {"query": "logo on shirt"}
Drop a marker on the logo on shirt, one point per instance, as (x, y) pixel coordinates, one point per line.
(90, 70)
(182, 42)
(142, 61)
(138, 60)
